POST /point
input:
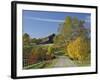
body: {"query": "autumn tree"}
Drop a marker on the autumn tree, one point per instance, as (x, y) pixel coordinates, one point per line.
(67, 30)
(80, 47)
(73, 38)
(26, 39)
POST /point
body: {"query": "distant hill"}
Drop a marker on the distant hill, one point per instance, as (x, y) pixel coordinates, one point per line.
(48, 39)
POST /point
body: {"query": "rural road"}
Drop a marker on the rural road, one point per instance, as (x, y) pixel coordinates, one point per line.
(63, 61)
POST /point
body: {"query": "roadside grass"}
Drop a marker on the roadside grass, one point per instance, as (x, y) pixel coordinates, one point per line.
(35, 66)
(84, 63)
(40, 65)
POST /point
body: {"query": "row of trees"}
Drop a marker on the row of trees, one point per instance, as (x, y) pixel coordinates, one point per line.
(74, 38)
(28, 40)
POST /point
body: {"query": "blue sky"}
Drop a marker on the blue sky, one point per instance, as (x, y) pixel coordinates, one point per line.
(39, 24)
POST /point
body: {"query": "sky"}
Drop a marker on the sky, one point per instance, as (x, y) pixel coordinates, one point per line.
(39, 24)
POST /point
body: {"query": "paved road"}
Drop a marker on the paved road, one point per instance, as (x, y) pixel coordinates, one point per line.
(63, 61)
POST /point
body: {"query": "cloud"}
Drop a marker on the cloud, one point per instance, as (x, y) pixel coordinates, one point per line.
(44, 19)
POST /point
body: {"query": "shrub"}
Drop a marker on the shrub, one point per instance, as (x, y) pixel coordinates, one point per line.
(39, 52)
(33, 56)
(79, 48)
(51, 50)
(26, 54)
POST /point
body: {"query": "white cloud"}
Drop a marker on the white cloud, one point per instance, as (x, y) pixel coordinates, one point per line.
(44, 19)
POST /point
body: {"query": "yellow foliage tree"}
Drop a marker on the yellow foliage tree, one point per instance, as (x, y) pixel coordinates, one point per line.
(79, 48)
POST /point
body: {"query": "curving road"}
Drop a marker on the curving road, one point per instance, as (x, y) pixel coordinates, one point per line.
(63, 61)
